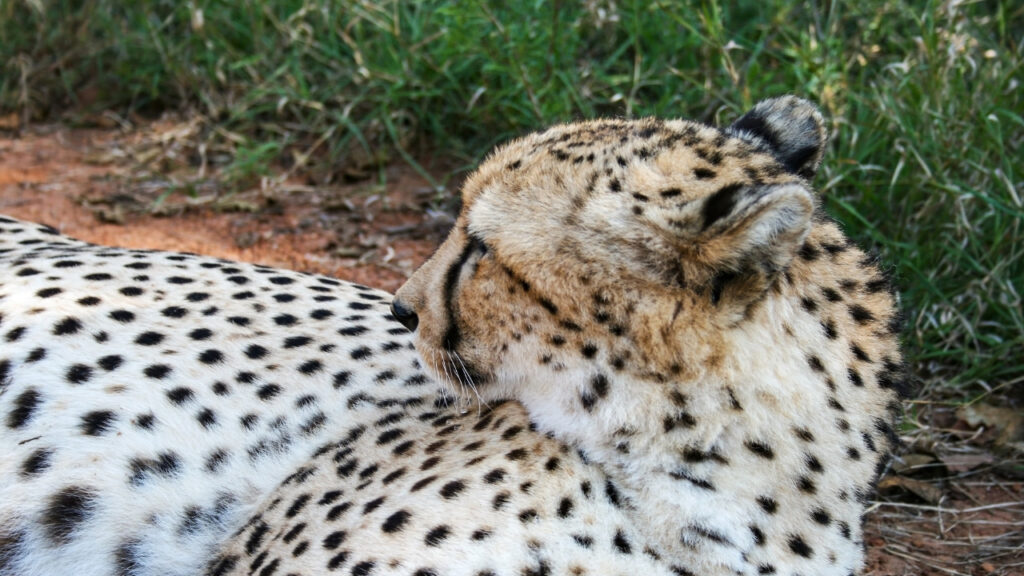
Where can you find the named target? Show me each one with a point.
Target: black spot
(157, 371)
(65, 511)
(97, 422)
(805, 435)
(528, 515)
(149, 338)
(806, 485)
(548, 305)
(452, 489)
(127, 560)
(798, 546)
(761, 449)
(24, 408)
(809, 253)
(767, 504)
(701, 483)
(830, 329)
(145, 421)
(200, 334)
(69, 325)
(337, 560)
(285, 320)
(612, 493)
(831, 295)
(680, 419)
(206, 417)
(296, 341)
(166, 464)
(861, 314)
(78, 374)
(437, 535)
(389, 436)
(363, 568)
(373, 505)
(268, 391)
(334, 539)
(255, 352)
(758, 535)
(174, 312)
(37, 462)
(396, 521)
(122, 316)
(356, 330)
(584, 541)
(110, 363)
(600, 385)
(180, 395)
(297, 505)
(211, 356)
(98, 276)
(855, 378)
(215, 460)
(820, 516)
(621, 543)
(311, 367)
(815, 364)
(256, 537)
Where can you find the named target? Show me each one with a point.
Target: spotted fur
(148, 400)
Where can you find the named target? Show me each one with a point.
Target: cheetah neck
(746, 466)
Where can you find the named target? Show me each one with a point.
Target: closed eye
(478, 246)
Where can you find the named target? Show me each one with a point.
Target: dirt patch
(375, 233)
(946, 510)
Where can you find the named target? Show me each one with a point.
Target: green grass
(924, 101)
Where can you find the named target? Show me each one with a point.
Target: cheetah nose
(404, 314)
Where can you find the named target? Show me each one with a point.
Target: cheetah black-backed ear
(763, 226)
(791, 127)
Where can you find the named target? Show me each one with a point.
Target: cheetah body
(150, 399)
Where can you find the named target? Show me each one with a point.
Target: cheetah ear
(791, 127)
(759, 226)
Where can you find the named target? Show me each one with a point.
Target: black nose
(404, 314)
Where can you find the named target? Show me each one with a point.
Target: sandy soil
(942, 516)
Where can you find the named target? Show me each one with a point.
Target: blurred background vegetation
(924, 101)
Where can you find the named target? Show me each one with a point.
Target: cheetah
(666, 360)
(706, 373)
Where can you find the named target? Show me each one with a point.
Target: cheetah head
(667, 297)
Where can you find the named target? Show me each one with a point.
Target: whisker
(444, 377)
(472, 385)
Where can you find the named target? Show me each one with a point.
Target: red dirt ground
(376, 235)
